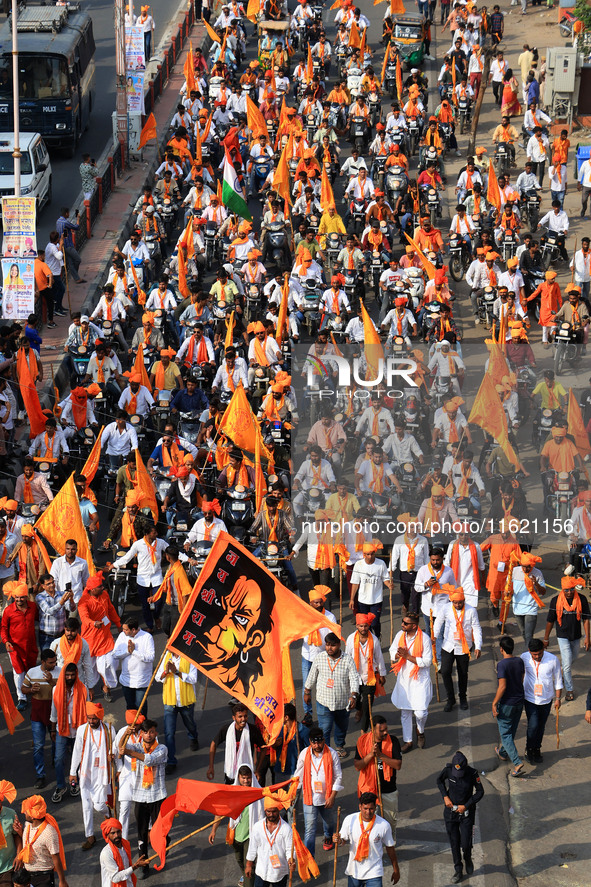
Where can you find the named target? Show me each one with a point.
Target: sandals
(500, 755)
(517, 772)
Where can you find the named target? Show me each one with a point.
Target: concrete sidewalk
(112, 226)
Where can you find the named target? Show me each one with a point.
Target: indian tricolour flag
(232, 194)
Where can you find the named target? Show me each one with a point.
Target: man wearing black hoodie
(461, 790)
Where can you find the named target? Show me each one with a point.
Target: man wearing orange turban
(528, 588)
(364, 648)
(569, 612)
(459, 624)
(97, 613)
(313, 644)
(95, 743)
(48, 855)
(115, 858)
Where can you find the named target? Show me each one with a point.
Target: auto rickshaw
(408, 36)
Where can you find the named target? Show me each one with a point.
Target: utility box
(563, 62)
(563, 81)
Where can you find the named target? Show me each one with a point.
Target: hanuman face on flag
(226, 630)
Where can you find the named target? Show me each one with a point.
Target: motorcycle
(167, 211)
(379, 171)
(262, 167)
(373, 103)
(550, 249)
(433, 205)
(561, 488)
(464, 113)
(80, 356)
(260, 385)
(118, 584)
(310, 305)
(529, 206)
(354, 77)
(526, 381)
(508, 244)
(459, 257)
(359, 133)
(189, 425)
(358, 209)
(414, 135)
(396, 185)
(566, 347)
(541, 428)
(197, 554)
(416, 286)
(485, 301)
(276, 242)
(336, 326)
(502, 159)
(238, 511)
(252, 301)
(334, 245)
(375, 272)
(209, 238)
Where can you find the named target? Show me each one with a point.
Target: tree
(583, 13)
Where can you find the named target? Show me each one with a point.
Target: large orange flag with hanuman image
(236, 624)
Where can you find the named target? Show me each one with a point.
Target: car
(36, 174)
(408, 36)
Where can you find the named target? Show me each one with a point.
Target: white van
(35, 167)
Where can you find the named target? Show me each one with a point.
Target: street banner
(135, 59)
(19, 238)
(135, 92)
(18, 288)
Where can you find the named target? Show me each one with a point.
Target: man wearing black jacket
(461, 790)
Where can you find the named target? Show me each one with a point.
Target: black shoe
(537, 756)
(169, 769)
(41, 782)
(457, 878)
(464, 704)
(469, 866)
(582, 213)
(143, 872)
(449, 705)
(529, 756)
(194, 744)
(495, 611)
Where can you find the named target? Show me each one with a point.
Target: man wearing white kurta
(134, 651)
(464, 556)
(410, 552)
(124, 769)
(411, 654)
(270, 845)
(92, 749)
(460, 627)
(429, 581)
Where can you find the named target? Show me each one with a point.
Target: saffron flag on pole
(385, 62)
(141, 296)
(354, 37)
(493, 192)
(281, 175)
(145, 487)
(260, 486)
(373, 349)
(326, 192)
(427, 265)
(256, 122)
(35, 414)
(576, 426)
(282, 330)
(62, 520)
(399, 79)
(90, 467)
(140, 367)
(215, 37)
(252, 10)
(192, 796)
(232, 194)
(189, 70)
(498, 367)
(148, 131)
(488, 413)
(239, 424)
(228, 341)
(397, 7)
(235, 625)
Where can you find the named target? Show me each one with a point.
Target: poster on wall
(19, 222)
(135, 58)
(135, 92)
(18, 288)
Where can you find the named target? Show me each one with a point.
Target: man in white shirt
(116, 847)
(537, 150)
(582, 262)
(148, 550)
(70, 571)
(320, 786)
(134, 649)
(364, 648)
(458, 622)
(119, 439)
(464, 556)
(136, 398)
(410, 552)
(313, 472)
(556, 221)
(367, 585)
(369, 870)
(270, 844)
(429, 584)
(542, 686)
(402, 447)
(583, 185)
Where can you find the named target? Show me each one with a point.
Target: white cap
(84, 317)
(414, 70)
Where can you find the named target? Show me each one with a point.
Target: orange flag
(12, 716)
(140, 367)
(62, 520)
(148, 131)
(90, 467)
(427, 265)
(309, 65)
(281, 175)
(186, 239)
(240, 425)
(35, 414)
(336, 5)
(362, 50)
(230, 324)
(374, 351)
(197, 156)
(213, 34)
(192, 796)
(326, 192)
(488, 413)
(385, 62)
(141, 296)
(288, 685)
(454, 97)
(145, 486)
(189, 70)
(243, 655)
(260, 486)
(399, 79)
(282, 313)
(183, 287)
(493, 193)
(252, 10)
(354, 37)
(337, 351)
(576, 426)
(397, 7)
(497, 363)
(256, 121)
(307, 865)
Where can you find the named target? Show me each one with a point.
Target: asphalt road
(66, 179)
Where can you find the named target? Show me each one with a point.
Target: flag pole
(340, 568)
(572, 274)
(391, 610)
(557, 725)
(434, 654)
(293, 819)
(180, 841)
(145, 696)
(336, 848)
(205, 694)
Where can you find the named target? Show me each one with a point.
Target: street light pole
(122, 124)
(15, 95)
